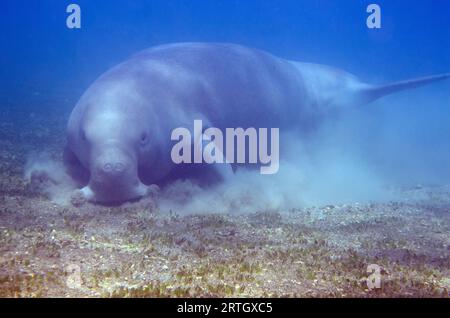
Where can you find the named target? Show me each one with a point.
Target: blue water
(38, 49)
(43, 62)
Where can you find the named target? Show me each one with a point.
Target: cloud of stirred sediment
(358, 155)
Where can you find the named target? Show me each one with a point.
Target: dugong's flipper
(74, 168)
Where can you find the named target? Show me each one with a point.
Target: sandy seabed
(136, 250)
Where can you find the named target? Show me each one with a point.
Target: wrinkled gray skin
(119, 131)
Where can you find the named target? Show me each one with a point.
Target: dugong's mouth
(114, 193)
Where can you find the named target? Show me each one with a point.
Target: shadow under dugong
(119, 133)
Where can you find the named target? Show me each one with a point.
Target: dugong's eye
(144, 138)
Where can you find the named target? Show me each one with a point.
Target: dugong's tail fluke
(374, 92)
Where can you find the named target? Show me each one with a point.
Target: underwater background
(374, 188)
(45, 65)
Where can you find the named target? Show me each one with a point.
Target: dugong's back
(229, 84)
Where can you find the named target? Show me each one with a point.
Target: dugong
(119, 133)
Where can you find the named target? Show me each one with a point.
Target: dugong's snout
(112, 169)
(115, 168)
(114, 177)
(113, 163)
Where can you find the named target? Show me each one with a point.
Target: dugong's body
(119, 131)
